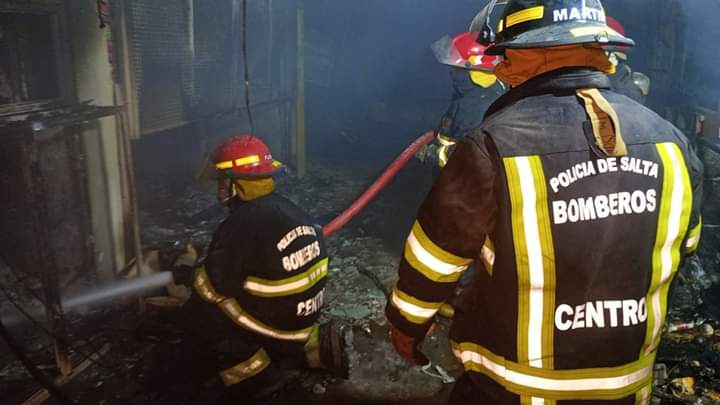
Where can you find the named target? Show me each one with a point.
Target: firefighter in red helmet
(475, 87)
(258, 293)
(625, 81)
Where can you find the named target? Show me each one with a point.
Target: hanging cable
(245, 63)
(32, 369)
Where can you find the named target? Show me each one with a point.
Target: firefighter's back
(586, 246)
(280, 260)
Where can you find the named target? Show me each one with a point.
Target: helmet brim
(446, 53)
(570, 33)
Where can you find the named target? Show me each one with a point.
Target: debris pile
(688, 362)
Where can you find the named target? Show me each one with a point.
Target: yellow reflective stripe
(535, 260)
(413, 309)
(426, 270)
(312, 348)
(443, 156)
(228, 164)
(529, 14)
(521, 254)
(202, 286)
(693, 239)
(248, 368)
(232, 309)
(547, 250)
(288, 286)
(448, 261)
(673, 219)
(248, 160)
(432, 261)
(593, 383)
(445, 140)
(642, 397)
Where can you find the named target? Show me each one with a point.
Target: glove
(187, 258)
(184, 266)
(407, 347)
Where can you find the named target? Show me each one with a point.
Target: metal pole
(35, 182)
(300, 101)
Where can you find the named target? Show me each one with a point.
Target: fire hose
(365, 198)
(380, 183)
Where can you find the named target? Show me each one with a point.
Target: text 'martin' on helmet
(528, 24)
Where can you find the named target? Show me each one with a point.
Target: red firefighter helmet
(245, 156)
(465, 52)
(615, 25)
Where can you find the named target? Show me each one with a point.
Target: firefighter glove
(184, 265)
(407, 347)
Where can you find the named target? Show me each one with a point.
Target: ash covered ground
(143, 362)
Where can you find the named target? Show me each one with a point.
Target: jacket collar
(558, 82)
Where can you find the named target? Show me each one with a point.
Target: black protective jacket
(468, 105)
(622, 82)
(266, 269)
(579, 248)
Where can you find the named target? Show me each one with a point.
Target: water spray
(101, 294)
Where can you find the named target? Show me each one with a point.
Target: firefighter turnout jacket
(467, 108)
(622, 82)
(265, 271)
(579, 247)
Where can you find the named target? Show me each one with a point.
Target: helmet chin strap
(230, 193)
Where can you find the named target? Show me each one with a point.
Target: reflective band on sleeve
(673, 220)
(248, 368)
(432, 261)
(535, 261)
(232, 309)
(413, 309)
(289, 286)
(592, 384)
(204, 288)
(693, 239)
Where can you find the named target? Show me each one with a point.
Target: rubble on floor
(145, 352)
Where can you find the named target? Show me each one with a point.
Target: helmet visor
(446, 52)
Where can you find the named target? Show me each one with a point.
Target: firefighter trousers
(246, 363)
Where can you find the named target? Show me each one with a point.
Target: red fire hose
(378, 185)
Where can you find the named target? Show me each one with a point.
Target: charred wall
(46, 213)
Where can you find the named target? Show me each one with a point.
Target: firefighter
(475, 87)
(625, 81)
(581, 204)
(258, 294)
